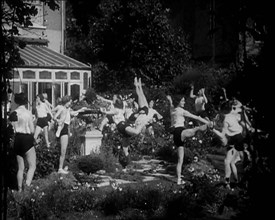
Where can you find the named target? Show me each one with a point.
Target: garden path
(153, 169)
(147, 169)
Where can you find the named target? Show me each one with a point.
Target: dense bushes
(58, 194)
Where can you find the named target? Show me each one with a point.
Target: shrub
(110, 161)
(90, 163)
(135, 197)
(47, 160)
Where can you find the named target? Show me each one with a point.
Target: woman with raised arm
(180, 132)
(200, 101)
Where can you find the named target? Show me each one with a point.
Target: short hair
(145, 109)
(45, 95)
(41, 97)
(65, 99)
(134, 96)
(20, 98)
(176, 99)
(118, 103)
(226, 107)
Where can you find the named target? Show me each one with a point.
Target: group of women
(128, 123)
(27, 130)
(135, 122)
(229, 126)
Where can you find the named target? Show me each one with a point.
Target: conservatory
(46, 71)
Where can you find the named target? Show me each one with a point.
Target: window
(75, 90)
(15, 74)
(75, 75)
(28, 74)
(38, 19)
(61, 75)
(45, 75)
(85, 81)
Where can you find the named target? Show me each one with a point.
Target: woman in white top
(22, 122)
(108, 118)
(42, 111)
(126, 127)
(180, 133)
(231, 136)
(63, 118)
(152, 113)
(200, 101)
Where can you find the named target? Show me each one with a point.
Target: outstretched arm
(159, 116)
(198, 118)
(104, 100)
(74, 113)
(110, 112)
(221, 134)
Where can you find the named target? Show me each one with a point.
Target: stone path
(149, 169)
(153, 169)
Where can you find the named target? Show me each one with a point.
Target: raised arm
(169, 98)
(204, 96)
(224, 94)
(192, 92)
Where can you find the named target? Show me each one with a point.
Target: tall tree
(128, 38)
(13, 14)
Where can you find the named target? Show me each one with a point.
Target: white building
(45, 67)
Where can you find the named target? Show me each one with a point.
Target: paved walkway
(153, 169)
(149, 170)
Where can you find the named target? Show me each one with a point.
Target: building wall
(54, 21)
(48, 25)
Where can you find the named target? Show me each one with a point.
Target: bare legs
(142, 101)
(64, 140)
(232, 157)
(103, 123)
(186, 133)
(31, 159)
(46, 135)
(20, 172)
(179, 164)
(125, 146)
(192, 131)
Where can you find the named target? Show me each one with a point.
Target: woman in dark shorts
(231, 135)
(180, 133)
(42, 111)
(22, 122)
(138, 121)
(63, 118)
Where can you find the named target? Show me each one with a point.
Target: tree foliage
(129, 38)
(15, 14)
